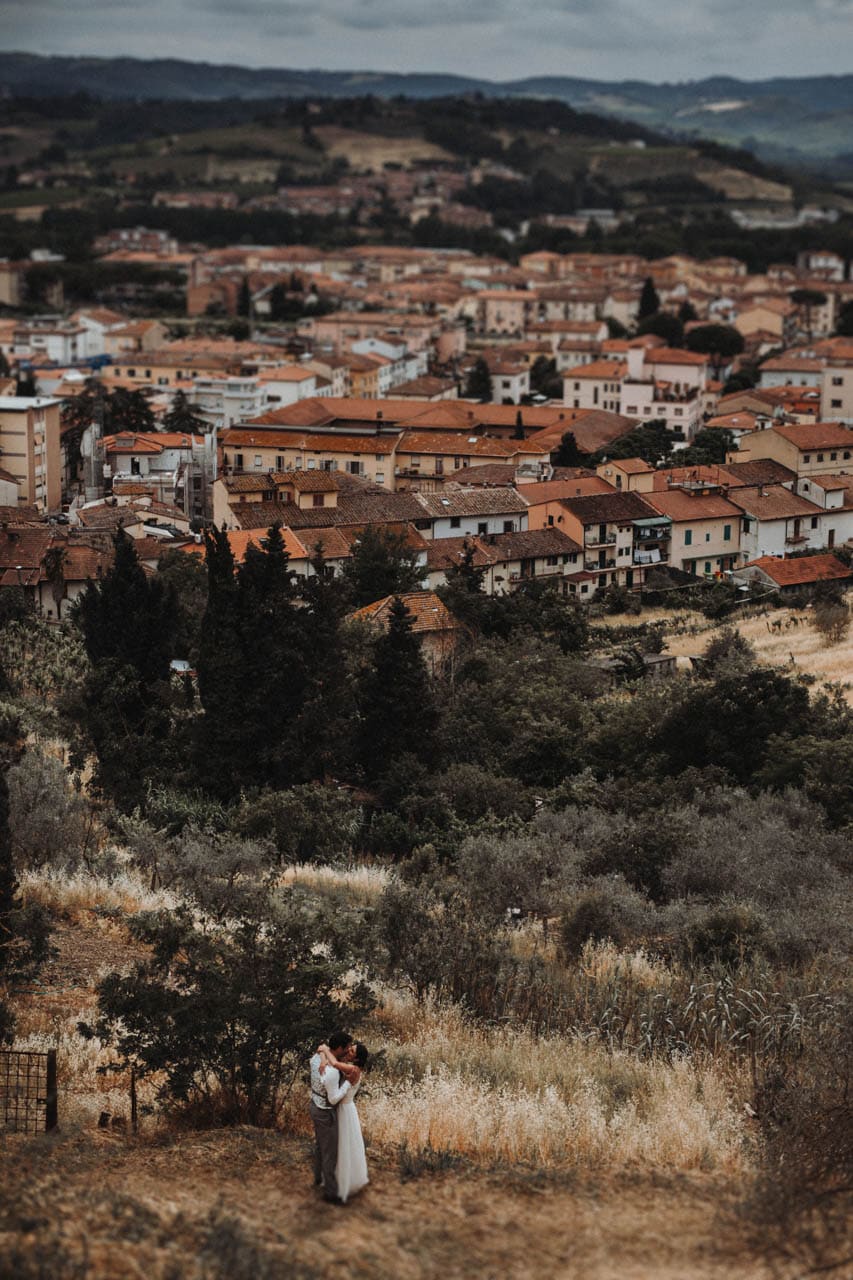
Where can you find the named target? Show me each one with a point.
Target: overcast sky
(496, 39)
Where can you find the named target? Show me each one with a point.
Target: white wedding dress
(352, 1162)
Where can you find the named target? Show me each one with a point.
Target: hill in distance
(805, 121)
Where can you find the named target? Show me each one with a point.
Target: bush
(728, 934)
(609, 909)
(306, 823)
(51, 823)
(223, 1016)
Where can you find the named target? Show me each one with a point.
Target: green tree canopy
(382, 564)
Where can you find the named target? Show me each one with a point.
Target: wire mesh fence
(28, 1097)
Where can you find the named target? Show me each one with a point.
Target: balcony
(796, 539)
(596, 540)
(592, 566)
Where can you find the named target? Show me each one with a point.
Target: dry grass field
(793, 647)
(492, 1153)
(369, 151)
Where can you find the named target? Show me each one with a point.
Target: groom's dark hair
(339, 1039)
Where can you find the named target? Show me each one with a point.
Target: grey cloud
(496, 39)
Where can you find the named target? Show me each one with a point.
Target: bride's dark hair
(362, 1057)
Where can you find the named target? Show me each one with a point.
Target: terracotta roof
(680, 504)
(772, 502)
(149, 441)
(631, 466)
(428, 611)
(555, 490)
(334, 442)
(801, 569)
(303, 481)
(807, 436)
(457, 444)
(831, 483)
(758, 471)
(471, 502)
(611, 369)
(674, 355)
(486, 473)
(609, 508)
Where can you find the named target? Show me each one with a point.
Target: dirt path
(240, 1205)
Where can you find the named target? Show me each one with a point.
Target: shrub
(51, 823)
(727, 934)
(609, 909)
(306, 823)
(222, 1015)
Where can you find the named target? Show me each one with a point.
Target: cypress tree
(399, 716)
(649, 300)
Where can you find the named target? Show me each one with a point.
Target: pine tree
(182, 417)
(518, 433)
(399, 716)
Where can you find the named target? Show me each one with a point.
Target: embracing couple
(340, 1166)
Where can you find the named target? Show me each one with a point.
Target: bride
(352, 1164)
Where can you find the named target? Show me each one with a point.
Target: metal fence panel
(28, 1094)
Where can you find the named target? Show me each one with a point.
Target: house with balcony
(173, 467)
(776, 521)
(834, 496)
(622, 536)
(705, 528)
(508, 560)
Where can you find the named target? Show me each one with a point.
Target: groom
(325, 1097)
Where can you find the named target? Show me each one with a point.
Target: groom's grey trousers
(326, 1148)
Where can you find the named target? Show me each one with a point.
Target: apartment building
(30, 449)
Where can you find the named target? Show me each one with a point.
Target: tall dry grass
(74, 895)
(360, 884)
(504, 1095)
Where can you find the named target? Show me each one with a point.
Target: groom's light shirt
(327, 1088)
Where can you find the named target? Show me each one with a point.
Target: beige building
(30, 449)
(268, 449)
(804, 448)
(706, 529)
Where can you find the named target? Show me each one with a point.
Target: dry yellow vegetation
(368, 151)
(492, 1152)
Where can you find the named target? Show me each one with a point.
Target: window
(279, 462)
(632, 408)
(259, 462)
(550, 519)
(820, 455)
(238, 461)
(455, 522)
(354, 468)
(312, 464)
(457, 463)
(708, 536)
(508, 526)
(482, 529)
(838, 382)
(380, 477)
(678, 412)
(688, 537)
(378, 457)
(551, 561)
(707, 566)
(836, 404)
(746, 524)
(584, 590)
(814, 522)
(832, 457)
(727, 533)
(318, 500)
(846, 454)
(439, 466)
(807, 457)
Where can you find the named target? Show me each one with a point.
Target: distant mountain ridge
(808, 118)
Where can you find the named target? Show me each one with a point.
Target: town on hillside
(585, 420)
